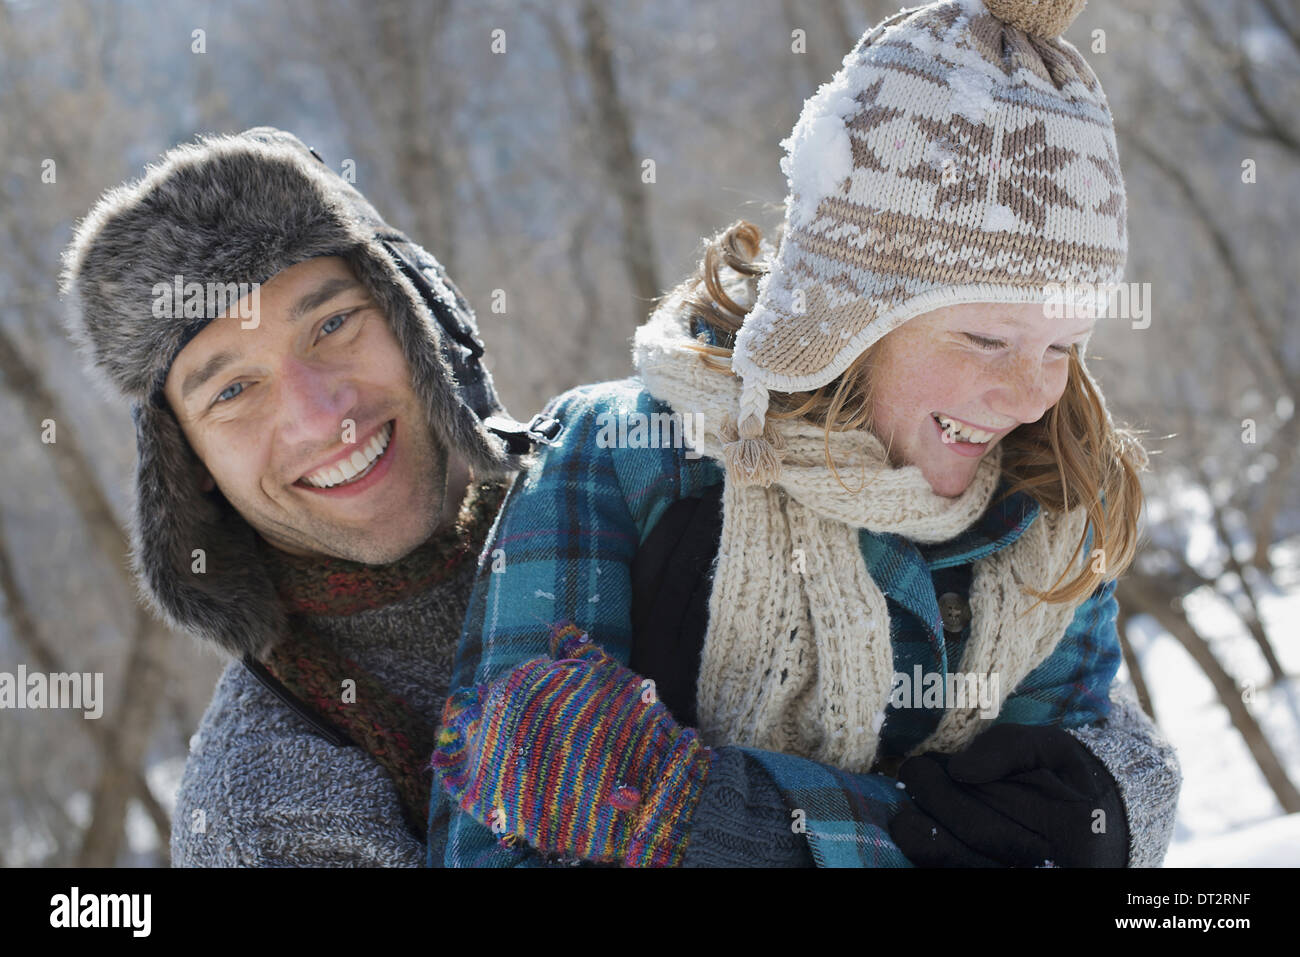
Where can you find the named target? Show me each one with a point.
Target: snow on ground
(1227, 815)
(1273, 843)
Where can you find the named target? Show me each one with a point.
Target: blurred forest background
(523, 171)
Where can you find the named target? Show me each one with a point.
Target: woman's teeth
(355, 467)
(956, 432)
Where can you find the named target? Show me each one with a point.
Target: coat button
(954, 609)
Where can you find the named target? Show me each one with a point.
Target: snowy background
(1227, 817)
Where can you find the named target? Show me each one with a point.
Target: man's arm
(746, 818)
(260, 789)
(1145, 766)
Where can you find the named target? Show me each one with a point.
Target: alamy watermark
(958, 689)
(130, 911)
(1114, 300)
(179, 299)
(651, 430)
(61, 689)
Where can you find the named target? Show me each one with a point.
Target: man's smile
(353, 471)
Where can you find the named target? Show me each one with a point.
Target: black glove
(1019, 796)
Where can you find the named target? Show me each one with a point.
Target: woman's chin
(950, 482)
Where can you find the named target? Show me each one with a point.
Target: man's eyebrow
(206, 371)
(321, 295)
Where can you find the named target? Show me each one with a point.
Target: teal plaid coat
(562, 549)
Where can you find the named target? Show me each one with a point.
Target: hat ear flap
(455, 388)
(197, 558)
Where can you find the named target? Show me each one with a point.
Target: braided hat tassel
(752, 458)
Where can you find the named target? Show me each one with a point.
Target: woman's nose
(1027, 390)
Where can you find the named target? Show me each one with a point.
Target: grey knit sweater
(273, 792)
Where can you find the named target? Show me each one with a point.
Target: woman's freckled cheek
(921, 377)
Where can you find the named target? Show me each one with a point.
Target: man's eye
(1063, 350)
(326, 327)
(233, 385)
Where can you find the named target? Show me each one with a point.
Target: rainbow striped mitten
(574, 755)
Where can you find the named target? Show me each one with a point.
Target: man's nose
(314, 401)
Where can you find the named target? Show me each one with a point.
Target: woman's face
(993, 366)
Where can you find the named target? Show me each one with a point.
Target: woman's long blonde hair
(1072, 455)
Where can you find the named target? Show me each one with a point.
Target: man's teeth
(964, 433)
(349, 469)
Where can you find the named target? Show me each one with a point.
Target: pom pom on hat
(1038, 18)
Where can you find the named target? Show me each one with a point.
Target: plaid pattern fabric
(562, 550)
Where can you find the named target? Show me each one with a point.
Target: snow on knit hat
(240, 209)
(964, 152)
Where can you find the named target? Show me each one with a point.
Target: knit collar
(337, 586)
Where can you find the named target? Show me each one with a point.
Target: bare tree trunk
(1151, 595)
(1229, 87)
(1278, 484)
(587, 294)
(420, 146)
(403, 103)
(617, 155)
(71, 464)
(1266, 343)
(129, 741)
(1134, 666)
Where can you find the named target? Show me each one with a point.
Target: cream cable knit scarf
(797, 657)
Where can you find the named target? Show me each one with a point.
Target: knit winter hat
(964, 152)
(240, 209)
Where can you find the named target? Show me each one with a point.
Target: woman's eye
(984, 343)
(223, 392)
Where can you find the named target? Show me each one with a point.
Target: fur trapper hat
(240, 209)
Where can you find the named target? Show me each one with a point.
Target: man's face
(317, 393)
(988, 365)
